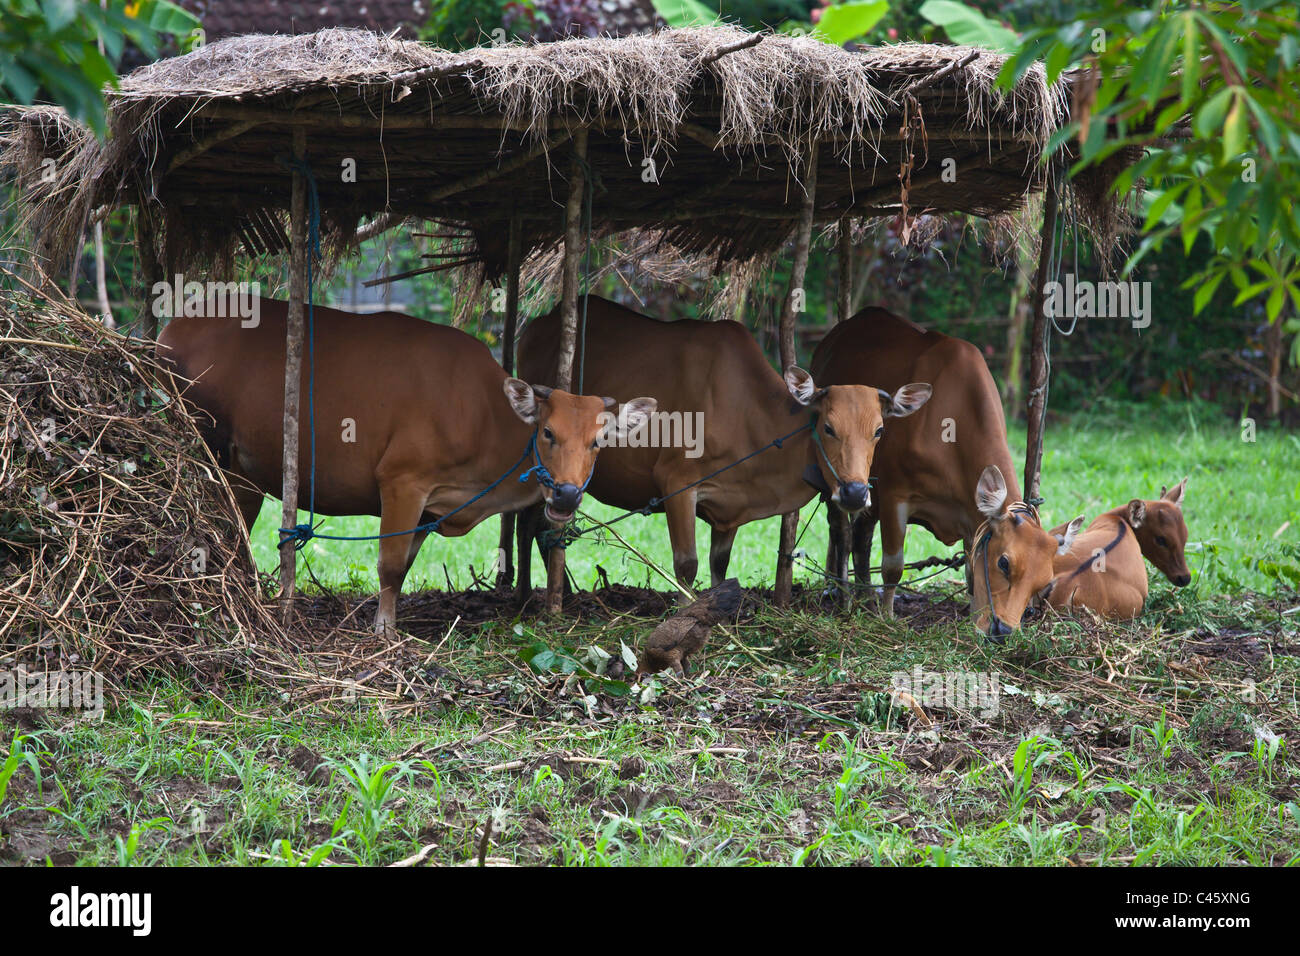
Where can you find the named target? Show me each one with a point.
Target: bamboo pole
(514, 255)
(572, 255)
(569, 332)
(146, 244)
(798, 270)
(293, 371)
(1037, 398)
(845, 288)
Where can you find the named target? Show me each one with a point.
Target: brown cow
(1010, 563)
(926, 468)
(411, 422)
(717, 370)
(1161, 531)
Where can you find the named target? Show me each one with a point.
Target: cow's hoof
(384, 628)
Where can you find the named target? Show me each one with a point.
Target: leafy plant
(19, 756)
(843, 22)
(1209, 94)
(967, 26)
(50, 49)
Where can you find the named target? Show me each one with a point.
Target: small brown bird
(685, 632)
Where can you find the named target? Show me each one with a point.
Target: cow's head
(847, 424)
(1162, 532)
(1010, 563)
(570, 430)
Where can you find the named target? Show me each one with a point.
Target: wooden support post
(1037, 397)
(514, 253)
(846, 271)
(569, 332)
(798, 269)
(293, 371)
(151, 272)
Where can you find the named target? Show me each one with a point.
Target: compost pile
(120, 549)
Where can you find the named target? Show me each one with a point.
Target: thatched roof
(468, 137)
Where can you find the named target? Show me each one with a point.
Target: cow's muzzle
(565, 499)
(854, 496)
(1182, 580)
(999, 631)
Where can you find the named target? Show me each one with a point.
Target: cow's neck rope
(541, 472)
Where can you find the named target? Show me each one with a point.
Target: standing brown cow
(412, 420)
(928, 469)
(716, 371)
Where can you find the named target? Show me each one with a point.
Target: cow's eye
(548, 434)
(1004, 565)
(830, 431)
(1162, 541)
(880, 431)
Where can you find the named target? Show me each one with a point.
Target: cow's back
(689, 366)
(931, 460)
(1103, 570)
(390, 390)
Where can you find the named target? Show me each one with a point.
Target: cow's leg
(680, 511)
(525, 533)
(836, 559)
(893, 529)
(417, 539)
(720, 554)
(248, 499)
(864, 530)
(970, 576)
(402, 508)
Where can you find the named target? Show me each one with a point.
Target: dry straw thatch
(199, 142)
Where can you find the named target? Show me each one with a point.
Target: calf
(412, 420)
(1161, 531)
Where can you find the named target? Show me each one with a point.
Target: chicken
(677, 638)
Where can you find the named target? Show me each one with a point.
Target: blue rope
(301, 534)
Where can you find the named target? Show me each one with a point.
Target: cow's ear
(801, 385)
(905, 401)
(522, 398)
(1137, 513)
(636, 413)
(991, 492)
(1175, 494)
(1071, 532)
(610, 403)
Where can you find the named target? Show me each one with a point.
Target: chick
(677, 638)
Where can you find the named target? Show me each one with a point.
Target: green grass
(776, 754)
(1240, 498)
(1167, 741)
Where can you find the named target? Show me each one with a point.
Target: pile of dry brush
(120, 549)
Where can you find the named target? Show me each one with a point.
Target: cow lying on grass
(1103, 570)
